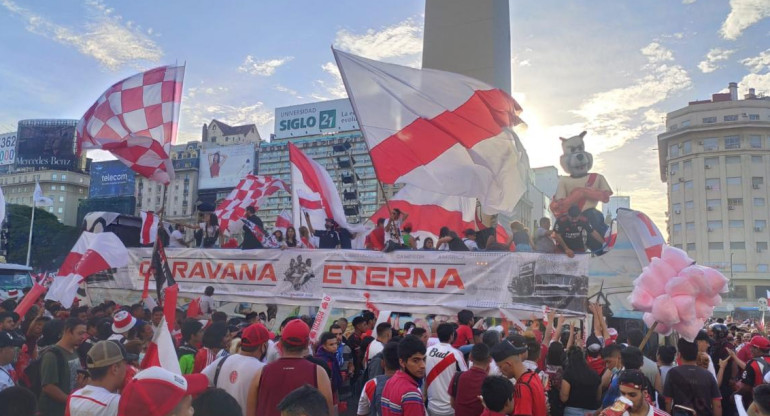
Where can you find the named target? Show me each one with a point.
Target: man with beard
(329, 237)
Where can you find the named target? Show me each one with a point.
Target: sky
(612, 68)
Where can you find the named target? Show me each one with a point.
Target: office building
(65, 188)
(715, 159)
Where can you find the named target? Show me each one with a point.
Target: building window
(61, 199)
(733, 117)
(674, 168)
(673, 150)
(712, 184)
(54, 176)
(734, 180)
(739, 267)
(677, 228)
(60, 210)
(714, 225)
(677, 208)
(713, 204)
(736, 223)
(690, 226)
(686, 123)
(63, 176)
(761, 246)
(718, 245)
(757, 182)
(62, 188)
(710, 162)
(755, 142)
(756, 159)
(753, 117)
(675, 187)
(759, 225)
(762, 267)
(709, 120)
(689, 205)
(688, 185)
(690, 246)
(53, 187)
(737, 245)
(687, 147)
(50, 209)
(732, 142)
(687, 164)
(732, 160)
(759, 202)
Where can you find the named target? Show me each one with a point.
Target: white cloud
(332, 87)
(758, 63)
(192, 92)
(713, 57)
(688, 1)
(525, 63)
(103, 36)
(194, 114)
(264, 68)
(743, 14)
(287, 90)
(401, 39)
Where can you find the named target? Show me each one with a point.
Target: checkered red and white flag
(136, 120)
(250, 191)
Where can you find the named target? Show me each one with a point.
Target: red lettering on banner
(229, 272)
(354, 270)
(451, 277)
(213, 273)
(179, 269)
(249, 272)
(267, 273)
(420, 274)
(374, 274)
(144, 267)
(332, 274)
(197, 271)
(401, 274)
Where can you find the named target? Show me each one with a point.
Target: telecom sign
(7, 148)
(111, 178)
(315, 118)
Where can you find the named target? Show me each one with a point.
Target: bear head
(575, 160)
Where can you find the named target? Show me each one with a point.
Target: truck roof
(10, 266)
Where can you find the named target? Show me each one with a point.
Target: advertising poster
(315, 118)
(45, 144)
(111, 178)
(7, 148)
(225, 166)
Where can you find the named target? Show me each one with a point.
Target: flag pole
(355, 110)
(31, 223)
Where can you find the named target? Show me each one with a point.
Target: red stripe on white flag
(161, 351)
(149, 228)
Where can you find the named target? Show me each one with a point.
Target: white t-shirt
(92, 401)
(5, 377)
(367, 395)
(235, 377)
(375, 347)
(176, 236)
(207, 305)
(394, 234)
(442, 361)
(471, 244)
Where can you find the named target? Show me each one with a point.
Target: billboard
(111, 178)
(7, 148)
(315, 118)
(224, 166)
(46, 144)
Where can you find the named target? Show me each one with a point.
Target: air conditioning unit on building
(707, 167)
(755, 186)
(708, 187)
(677, 212)
(709, 208)
(710, 230)
(758, 229)
(731, 208)
(759, 250)
(681, 179)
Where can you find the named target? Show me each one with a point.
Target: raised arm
(309, 224)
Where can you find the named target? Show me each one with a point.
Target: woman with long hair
(581, 387)
(304, 236)
(291, 239)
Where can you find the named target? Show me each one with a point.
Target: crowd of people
(91, 361)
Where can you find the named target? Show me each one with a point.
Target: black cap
(506, 349)
(8, 340)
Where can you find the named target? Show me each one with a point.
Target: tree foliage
(51, 240)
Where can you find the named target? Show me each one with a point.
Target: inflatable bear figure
(581, 188)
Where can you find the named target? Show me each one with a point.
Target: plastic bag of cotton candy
(677, 294)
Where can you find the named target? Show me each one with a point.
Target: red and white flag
(428, 211)
(251, 191)
(283, 221)
(149, 230)
(645, 237)
(136, 119)
(311, 180)
(161, 351)
(439, 131)
(92, 253)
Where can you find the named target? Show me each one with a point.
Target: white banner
(402, 281)
(321, 317)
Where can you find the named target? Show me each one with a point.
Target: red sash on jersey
(439, 368)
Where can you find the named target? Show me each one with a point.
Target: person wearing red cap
(276, 380)
(234, 373)
(754, 370)
(159, 392)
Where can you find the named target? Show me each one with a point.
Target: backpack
(374, 367)
(35, 366)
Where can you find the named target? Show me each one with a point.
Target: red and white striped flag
(92, 253)
(428, 211)
(136, 119)
(161, 351)
(439, 131)
(251, 191)
(308, 178)
(283, 221)
(149, 230)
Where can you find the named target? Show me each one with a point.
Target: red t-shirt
(529, 396)
(464, 336)
(467, 392)
(376, 239)
(596, 363)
